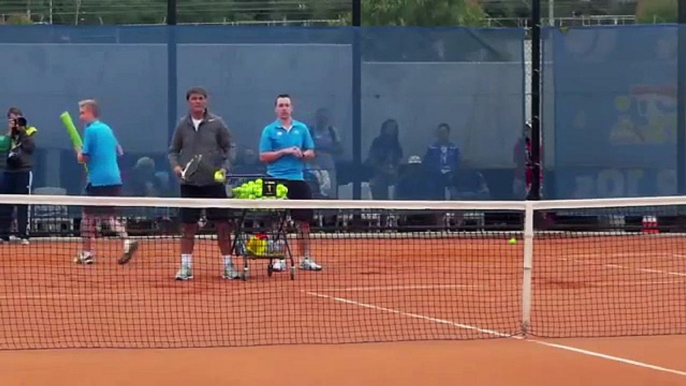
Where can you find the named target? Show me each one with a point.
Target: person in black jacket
(17, 178)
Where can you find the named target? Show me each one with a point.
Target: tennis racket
(191, 167)
(199, 169)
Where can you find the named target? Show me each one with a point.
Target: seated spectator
(441, 161)
(145, 182)
(328, 145)
(384, 159)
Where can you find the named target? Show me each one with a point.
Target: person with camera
(17, 177)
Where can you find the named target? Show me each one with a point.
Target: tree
(18, 19)
(656, 11)
(424, 13)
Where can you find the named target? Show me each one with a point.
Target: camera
(19, 122)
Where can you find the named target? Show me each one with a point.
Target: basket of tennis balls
(253, 190)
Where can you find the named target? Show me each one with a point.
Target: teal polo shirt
(100, 145)
(274, 138)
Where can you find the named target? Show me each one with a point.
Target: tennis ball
(259, 181)
(512, 241)
(251, 197)
(220, 176)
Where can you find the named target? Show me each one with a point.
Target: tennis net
(392, 271)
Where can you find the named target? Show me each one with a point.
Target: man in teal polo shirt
(100, 152)
(285, 146)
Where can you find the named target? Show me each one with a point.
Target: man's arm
(26, 141)
(175, 149)
(227, 146)
(83, 153)
(267, 152)
(308, 146)
(337, 143)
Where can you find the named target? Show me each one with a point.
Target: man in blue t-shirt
(99, 152)
(285, 145)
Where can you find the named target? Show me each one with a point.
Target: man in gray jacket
(17, 178)
(200, 147)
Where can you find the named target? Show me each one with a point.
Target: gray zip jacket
(212, 140)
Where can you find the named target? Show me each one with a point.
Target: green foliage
(656, 11)
(375, 12)
(18, 19)
(424, 13)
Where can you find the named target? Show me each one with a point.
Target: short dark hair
(196, 91)
(14, 111)
(444, 125)
(282, 96)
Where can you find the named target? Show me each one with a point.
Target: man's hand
(79, 156)
(294, 151)
(178, 171)
(308, 154)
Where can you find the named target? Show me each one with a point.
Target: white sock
(227, 260)
(186, 259)
(127, 245)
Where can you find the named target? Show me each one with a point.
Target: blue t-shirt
(275, 137)
(100, 145)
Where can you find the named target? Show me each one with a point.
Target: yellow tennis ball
(512, 241)
(220, 176)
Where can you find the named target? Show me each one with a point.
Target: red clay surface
(379, 290)
(500, 362)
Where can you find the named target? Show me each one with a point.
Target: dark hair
(281, 96)
(196, 91)
(447, 127)
(387, 123)
(14, 111)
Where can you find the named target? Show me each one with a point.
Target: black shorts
(298, 190)
(102, 191)
(192, 215)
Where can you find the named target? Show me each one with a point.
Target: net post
(535, 191)
(357, 100)
(171, 68)
(527, 266)
(681, 100)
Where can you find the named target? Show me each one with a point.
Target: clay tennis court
(376, 290)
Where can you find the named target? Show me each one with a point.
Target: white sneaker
(84, 258)
(279, 266)
(25, 242)
(230, 272)
(308, 264)
(130, 247)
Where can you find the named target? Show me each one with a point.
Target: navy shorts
(298, 190)
(192, 215)
(102, 191)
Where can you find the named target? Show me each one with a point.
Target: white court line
(416, 316)
(502, 335)
(150, 296)
(399, 288)
(636, 283)
(616, 266)
(618, 254)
